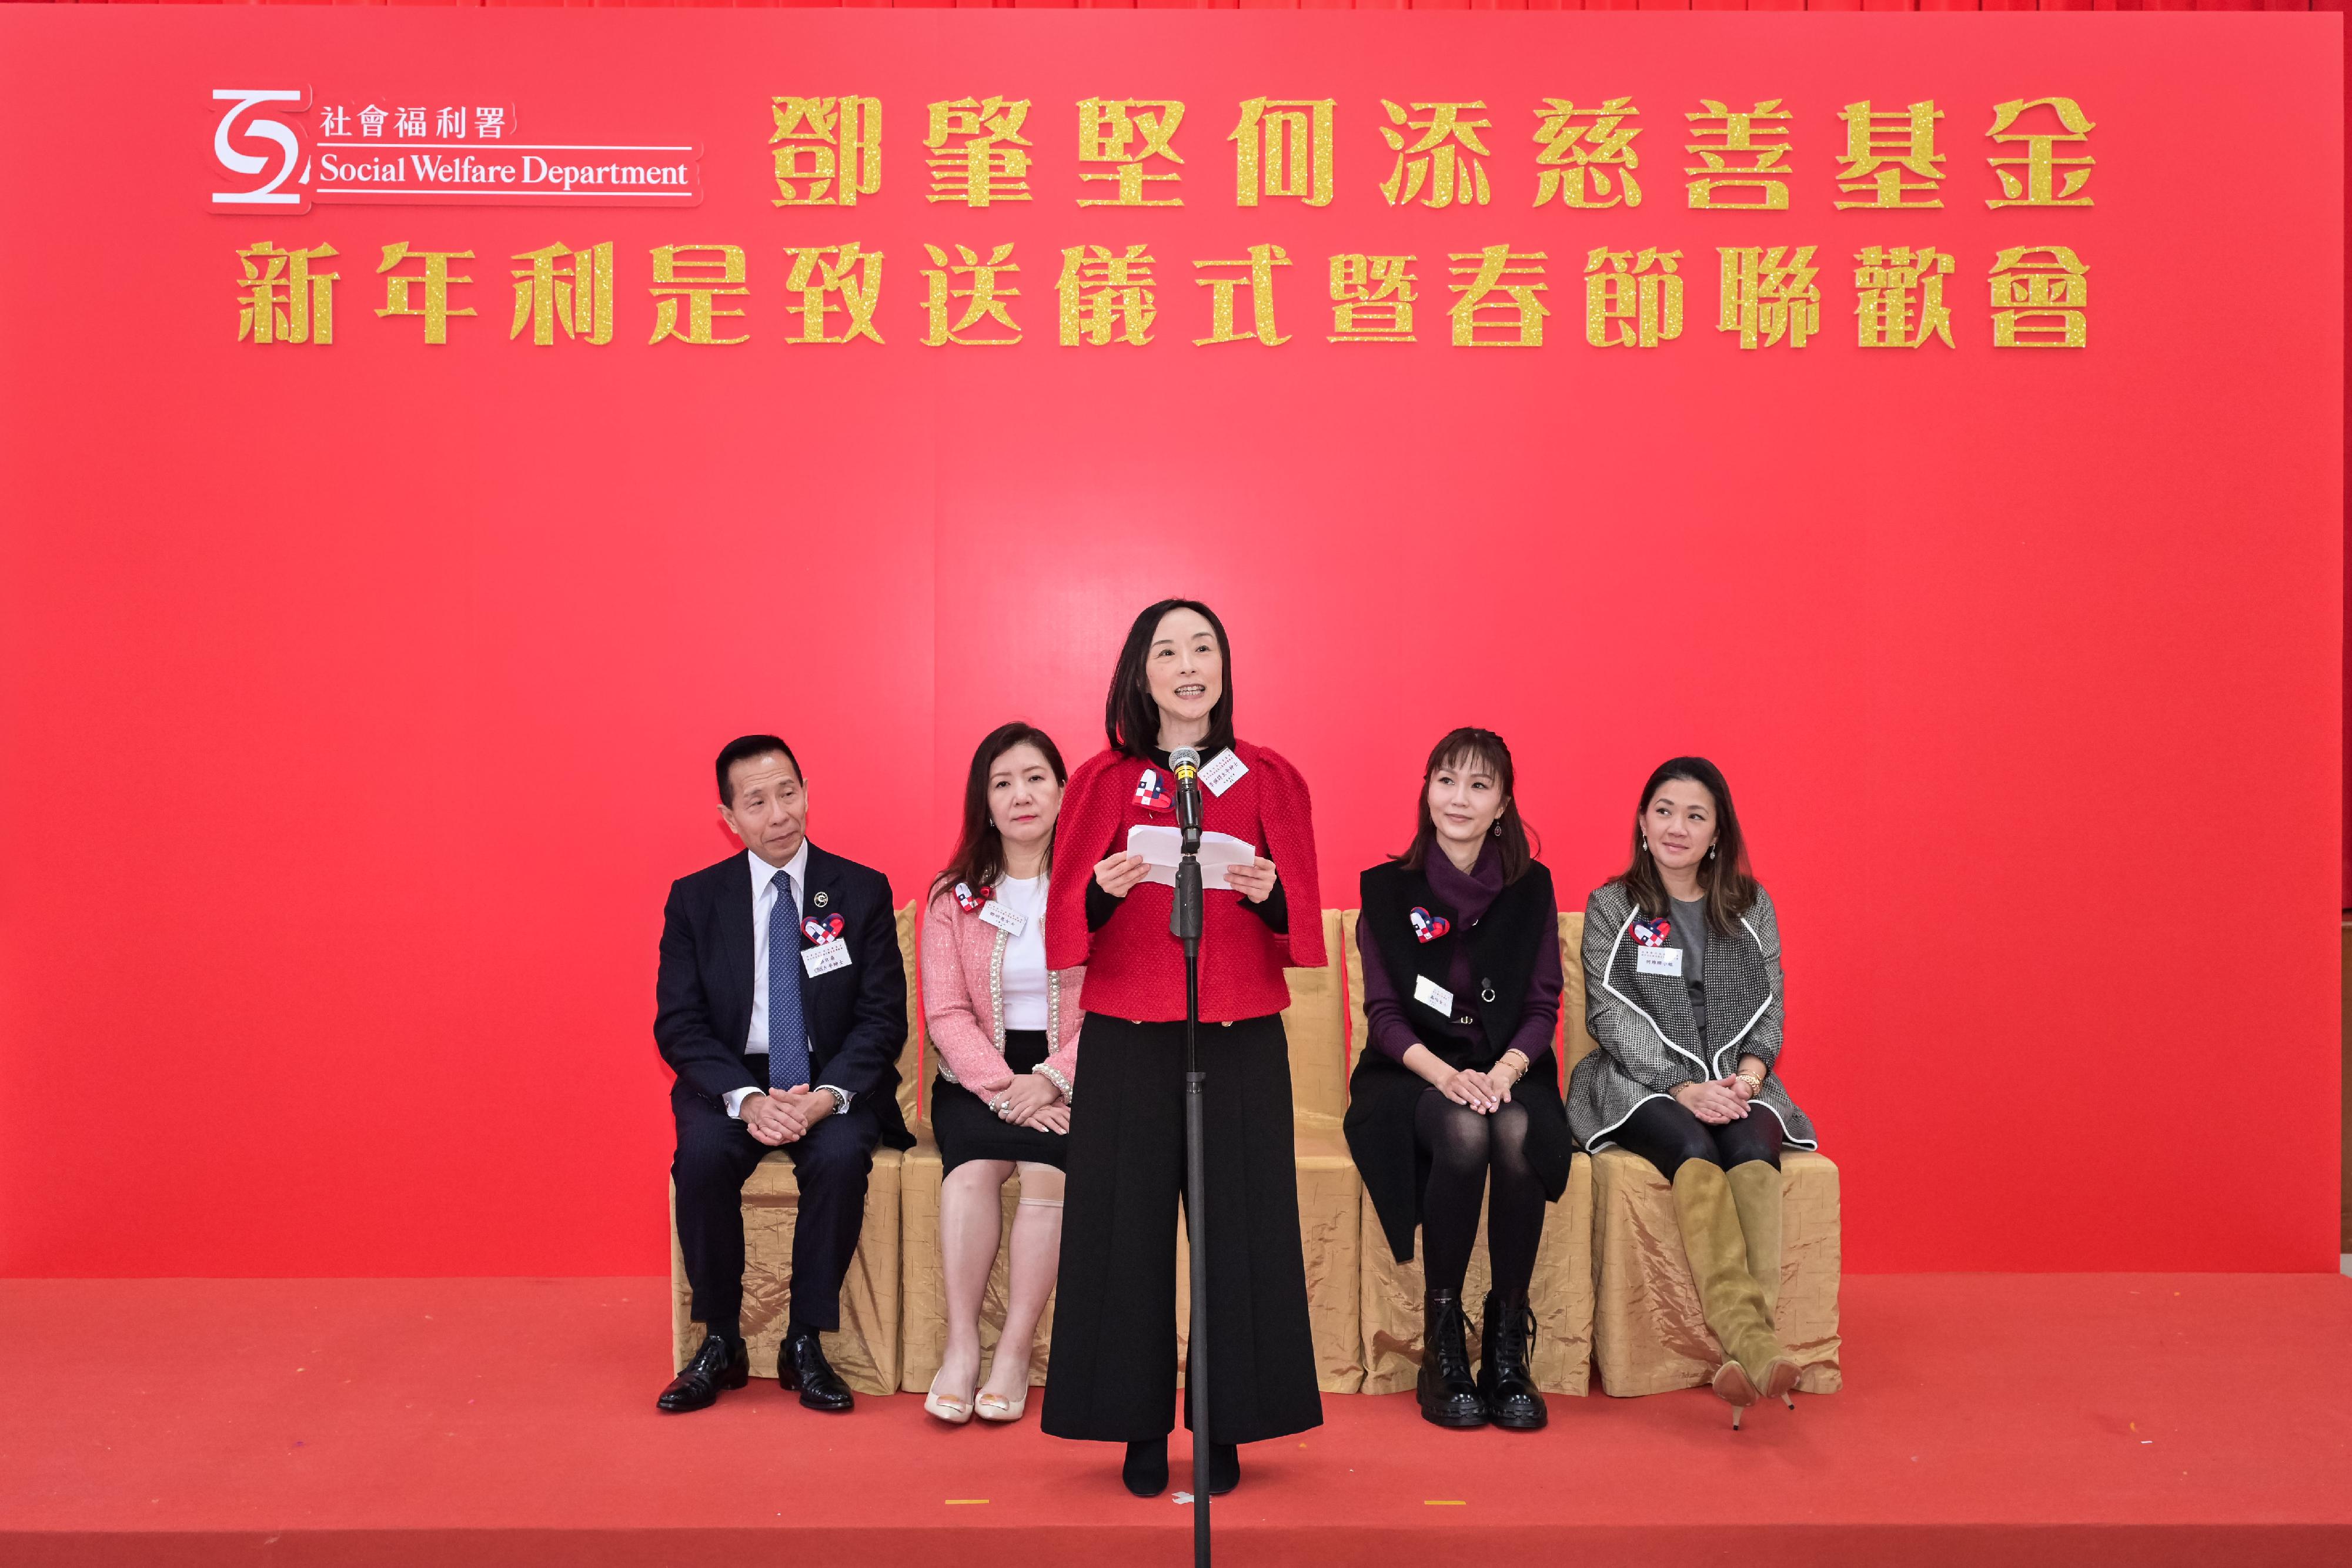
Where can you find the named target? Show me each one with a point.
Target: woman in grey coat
(1683, 995)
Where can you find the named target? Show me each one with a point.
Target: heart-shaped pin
(820, 932)
(969, 900)
(1652, 933)
(1428, 928)
(1151, 790)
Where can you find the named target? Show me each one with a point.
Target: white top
(1025, 955)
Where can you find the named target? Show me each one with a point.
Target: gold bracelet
(1524, 1064)
(1754, 1085)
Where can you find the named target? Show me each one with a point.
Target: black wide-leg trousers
(717, 1154)
(1112, 1377)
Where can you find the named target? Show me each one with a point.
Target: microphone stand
(1185, 923)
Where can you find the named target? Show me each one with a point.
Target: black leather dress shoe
(801, 1363)
(715, 1366)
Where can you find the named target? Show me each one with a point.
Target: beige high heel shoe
(996, 1407)
(954, 1412)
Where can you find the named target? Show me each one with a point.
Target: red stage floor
(2135, 1420)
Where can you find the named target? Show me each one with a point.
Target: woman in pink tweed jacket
(1004, 1031)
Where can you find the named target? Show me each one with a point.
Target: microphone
(1186, 764)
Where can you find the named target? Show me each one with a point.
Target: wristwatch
(840, 1097)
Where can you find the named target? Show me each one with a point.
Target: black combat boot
(1507, 1388)
(1449, 1394)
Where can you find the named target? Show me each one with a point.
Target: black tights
(1665, 1135)
(1465, 1150)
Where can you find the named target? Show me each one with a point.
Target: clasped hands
(781, 1116)
(1485, 1093)
(1716, 1101)
(1032, 1101)
(1118, 874)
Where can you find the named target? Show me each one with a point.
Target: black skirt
(968, 1130)
(1382, 1095)
(1113, 1376)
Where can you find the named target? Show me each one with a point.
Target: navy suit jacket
(857, 1016)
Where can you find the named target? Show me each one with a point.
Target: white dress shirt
(768, 885)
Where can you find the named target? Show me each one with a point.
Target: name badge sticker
(1222, 771)
(1430, 993)
(825, 958)
(1659, 961)
(1009, 921)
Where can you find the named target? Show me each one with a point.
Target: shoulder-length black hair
(1130, 719)
(1729, 885)
(979, 858)
(1462, 748)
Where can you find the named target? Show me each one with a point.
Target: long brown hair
(979, 858)
(1130, 719)
(1460, 750)
(1724, 876)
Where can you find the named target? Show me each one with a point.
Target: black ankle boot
(1449, 1394)
(1506, 1384)
(1224, 1468)
(1145, 1470)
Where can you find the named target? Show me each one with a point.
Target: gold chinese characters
(981, 151)
(1768, 296)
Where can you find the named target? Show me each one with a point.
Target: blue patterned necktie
(788, 1057)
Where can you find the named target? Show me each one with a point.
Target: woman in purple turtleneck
(1458, 1085)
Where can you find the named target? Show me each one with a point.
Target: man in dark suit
(781, 1007)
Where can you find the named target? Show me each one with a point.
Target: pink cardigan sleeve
(1065, 1059)
(960, 1025)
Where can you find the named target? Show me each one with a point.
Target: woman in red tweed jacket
(1113, 1375)
(1004, 1032)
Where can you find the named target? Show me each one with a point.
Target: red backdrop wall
(360, 700)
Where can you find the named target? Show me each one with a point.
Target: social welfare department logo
(275, 152)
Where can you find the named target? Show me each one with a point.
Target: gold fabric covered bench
(865, 1351)
(1561, 1293)
(1611, 1287)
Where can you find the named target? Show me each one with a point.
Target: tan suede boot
(1729, 1298)
(1756, 1195)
